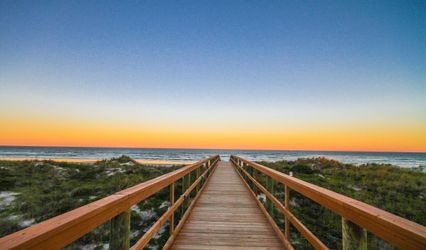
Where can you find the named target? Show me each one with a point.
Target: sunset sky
(312, 75)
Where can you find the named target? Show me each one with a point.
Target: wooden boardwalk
(227, 216)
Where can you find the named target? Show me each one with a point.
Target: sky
(293, 75)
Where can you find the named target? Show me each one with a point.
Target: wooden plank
(219, 235)
(200, 247)
(226, 216)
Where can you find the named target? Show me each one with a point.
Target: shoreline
(91, 161)
(357, 161)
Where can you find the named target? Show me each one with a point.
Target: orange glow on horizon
(50, 133)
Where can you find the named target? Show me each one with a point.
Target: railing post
(120, 231)
(286, 204)
(353, 236)
(172, 202)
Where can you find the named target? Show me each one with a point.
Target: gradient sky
(315, 75)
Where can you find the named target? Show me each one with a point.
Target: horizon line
(136, 147)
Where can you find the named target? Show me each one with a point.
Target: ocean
(183, 156)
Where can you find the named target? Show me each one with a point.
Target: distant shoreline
(187, 156)
(80, 160)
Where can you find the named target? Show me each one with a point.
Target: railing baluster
(353, 236)
(120, 231)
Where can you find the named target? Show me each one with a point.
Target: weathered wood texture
(226, 216)
(120, 231)
(353, 236)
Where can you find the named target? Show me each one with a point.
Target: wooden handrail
(140, 244)
(61, 230)
(398, 231)
(296, 223)
(185, 216)
(275, 227)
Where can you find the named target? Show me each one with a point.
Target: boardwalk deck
(226, 216)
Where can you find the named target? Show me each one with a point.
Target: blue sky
(287, 63)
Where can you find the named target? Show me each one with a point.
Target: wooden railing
(357, 217)
(62, 230)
